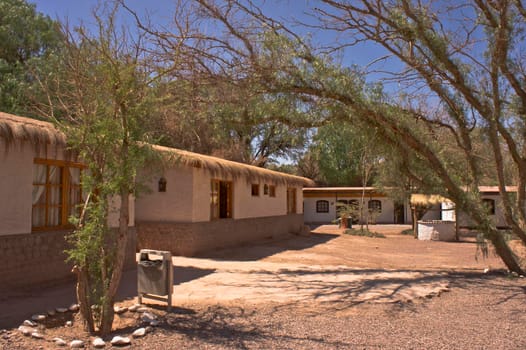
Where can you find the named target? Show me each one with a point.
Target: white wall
(244, 204)
(498, 218)
(310, 214)
(201, 195)
(113, 215)
(247, 206)
(448, 212)
(434, 213)
(16, 188)
(187, 198)
(173, 205)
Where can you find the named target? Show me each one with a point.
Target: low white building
(207, 202)
(321, 205)
(195, 203)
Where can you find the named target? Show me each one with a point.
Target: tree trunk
(83, 297)
(415, 221)
(107, 311)
(505, 253)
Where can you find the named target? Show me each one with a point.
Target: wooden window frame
(65, 188)
(254, 189)
(489, 203)
(322, 206)
(291, 200)
(370, 206)
(215, 207)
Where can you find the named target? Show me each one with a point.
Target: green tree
(333, 147)
(461, 67)
(100, 97)
(29, 41)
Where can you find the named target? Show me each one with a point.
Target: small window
(265, 189)
(490, 205)
(322, 206)
(272, 191)
(255, 189)
(375, 206)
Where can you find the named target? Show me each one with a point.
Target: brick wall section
(188, 239)
(38, 259)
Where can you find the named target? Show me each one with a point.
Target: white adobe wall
(247, 206)
(436, 230)
(498, 218)
(201, 195)
(113, 216)
(434, 213)
(176, 204)
(16, 188)
(448, 211)
(244, 204)
(310, 214)
(385, 217)
(187, 198)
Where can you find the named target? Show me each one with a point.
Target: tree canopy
(29, 40)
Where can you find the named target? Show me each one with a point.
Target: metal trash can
(155, 275)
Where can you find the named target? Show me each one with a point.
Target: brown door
(399, 217)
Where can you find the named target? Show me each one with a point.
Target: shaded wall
(191, 238)
(32, 260)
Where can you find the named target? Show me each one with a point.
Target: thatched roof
(38, 133)
(342, 191)
(428, 199)
(229, 169)
(14, 128)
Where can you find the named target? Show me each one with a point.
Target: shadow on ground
(242, 326)
(21, 305)
(259, 250)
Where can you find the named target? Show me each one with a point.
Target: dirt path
(326, 291)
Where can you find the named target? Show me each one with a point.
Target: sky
(161, 12)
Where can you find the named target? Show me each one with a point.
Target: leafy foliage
(100, 97)
(29, 41)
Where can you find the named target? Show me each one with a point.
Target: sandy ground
(326, 290)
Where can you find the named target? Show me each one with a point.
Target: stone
(149, 329)
(143, 309)
(25, 330)
(59, 342)
(37, 335)
(76, 344)
(51, 313)
(134, 308)
(98, 343)
(155, 323)
(69, 323)
(74, 307)
(61, 310)
(38, 317)
(139, 332)
(120, 310)
(486, 270)
(118, 340)
(148, 317)
(29, 323)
